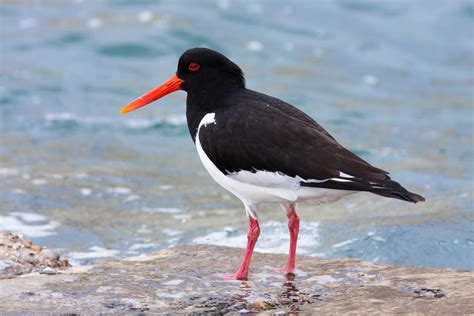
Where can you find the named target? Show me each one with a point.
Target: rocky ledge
(186, 279)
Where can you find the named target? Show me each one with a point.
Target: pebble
(36, 248)
(19, 256)
(262, 305)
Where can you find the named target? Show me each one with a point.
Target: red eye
(194, 66)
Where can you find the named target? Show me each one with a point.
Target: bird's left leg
(293, 228)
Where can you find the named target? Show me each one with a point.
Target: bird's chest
(249, 192)
(210, 166)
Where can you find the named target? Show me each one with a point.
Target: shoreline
(185, 279)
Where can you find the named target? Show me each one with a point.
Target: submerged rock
(186, 279)
(19, 256)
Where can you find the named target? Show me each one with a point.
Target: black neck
(194, 115)
(198, 104)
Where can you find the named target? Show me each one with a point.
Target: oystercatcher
(263, 149)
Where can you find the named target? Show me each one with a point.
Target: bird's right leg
(252, 236)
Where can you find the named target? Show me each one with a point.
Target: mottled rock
(19, 256)
(186, 279)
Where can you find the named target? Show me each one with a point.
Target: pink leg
(293, 227)
(252, 236)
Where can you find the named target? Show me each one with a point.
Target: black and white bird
(263, 149)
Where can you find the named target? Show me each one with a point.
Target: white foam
(144, 230)
(131, 198)
(344, 243)
(30, 217)
(56, 176)
(39, 181)
(138, 123)
(164, 210)
(165, 187)
(255, 46)
(27, 23)
(86, 191)
(22, 223)
(274, 238)
(370, 80)
(62, 116)
(145, 16)
(138, 246)
(96, 252)
(80, 175)
(8, 172)
(94, 23)
(119, 190)
(183, 218)
(171, 232)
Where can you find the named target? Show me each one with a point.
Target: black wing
(264, 133)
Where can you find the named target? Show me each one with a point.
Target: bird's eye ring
(194, 66)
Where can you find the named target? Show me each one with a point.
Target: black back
(254, 132)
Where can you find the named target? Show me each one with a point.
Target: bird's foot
(234, 276)
(285, 270)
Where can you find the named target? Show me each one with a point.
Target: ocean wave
(28, 224)
(68, 120)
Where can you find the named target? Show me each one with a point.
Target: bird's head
(201, 71)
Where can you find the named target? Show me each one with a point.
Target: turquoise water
(393, 81)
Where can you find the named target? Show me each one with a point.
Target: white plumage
(253, 188)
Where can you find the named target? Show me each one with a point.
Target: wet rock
(186, 279)
(19, 256)
(49, 271)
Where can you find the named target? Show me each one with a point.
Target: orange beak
(173, 84)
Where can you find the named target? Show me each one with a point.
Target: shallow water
(392, 81)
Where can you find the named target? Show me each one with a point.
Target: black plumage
(256, 132)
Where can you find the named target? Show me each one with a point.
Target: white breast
(263, 186)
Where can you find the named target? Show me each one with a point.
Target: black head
(204, 74)
(202, 69)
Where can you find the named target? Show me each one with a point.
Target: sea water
(392, 81)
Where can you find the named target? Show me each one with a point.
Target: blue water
(392, 81)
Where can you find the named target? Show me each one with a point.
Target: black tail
(401, 194)
(393, 189)
(387, 188)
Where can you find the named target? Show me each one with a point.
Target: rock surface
(185, 280)
(19, 256)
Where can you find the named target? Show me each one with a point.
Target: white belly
(264, 186)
